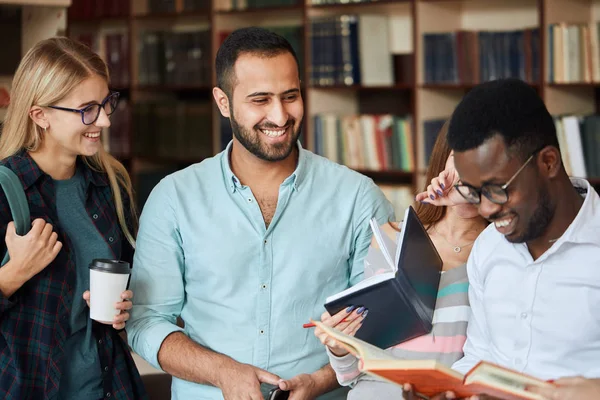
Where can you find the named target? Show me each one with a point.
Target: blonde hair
(47, 74)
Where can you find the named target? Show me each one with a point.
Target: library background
(379, 77)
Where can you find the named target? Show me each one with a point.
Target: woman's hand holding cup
(123, 306)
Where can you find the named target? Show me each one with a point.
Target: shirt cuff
(343, 362)
(155, 336)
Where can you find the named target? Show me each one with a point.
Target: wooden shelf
(344, 6)
(173, 15)
(165, 160)
(171, 88)
(389, 176)
(399, 86)
(45, 3)
(294, 7)
(574, 85)
(457, 86)
(99, 20)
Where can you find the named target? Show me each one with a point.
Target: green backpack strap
(17, 201)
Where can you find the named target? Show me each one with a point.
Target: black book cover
(400, 303)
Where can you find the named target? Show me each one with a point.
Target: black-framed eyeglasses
(493, 192)
(90, 114)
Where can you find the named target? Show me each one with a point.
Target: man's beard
(539, 221)
(250, 139)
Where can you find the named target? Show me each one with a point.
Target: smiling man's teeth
(273, 133)
(91, 135)
(501, 223)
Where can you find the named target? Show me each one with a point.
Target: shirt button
(265, 241)
(105, 369)
(524, 315)
(108, 394)
(111, 239)
(263, 286)
(249, 200)
(100, 341)
(95, 216)
(262, 332)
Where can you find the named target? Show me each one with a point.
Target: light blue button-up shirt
(244, 290)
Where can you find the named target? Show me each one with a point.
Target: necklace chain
(456, 248)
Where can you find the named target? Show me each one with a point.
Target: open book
(429, 377)
(401, 302)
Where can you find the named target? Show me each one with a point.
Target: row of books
(171, 6)
(229, 5)
(574, 54)
(292, 33)
(90, 9)
(174, 58)
(365, 142)
(401, 196)
(350, 50)
(172, 129)
(471, 57)
(117, 138)
(114, 49)
(579, 140)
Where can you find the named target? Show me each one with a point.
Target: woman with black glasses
(80, 203)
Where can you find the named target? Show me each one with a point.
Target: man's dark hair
(508, 107)
(253, 40)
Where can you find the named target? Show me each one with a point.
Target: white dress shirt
(539, 317)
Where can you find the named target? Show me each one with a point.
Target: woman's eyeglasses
(90, 114)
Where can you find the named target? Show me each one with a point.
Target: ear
(222, 102)
(551, 161)
(39, 117)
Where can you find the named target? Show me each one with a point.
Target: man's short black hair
(508, 107)
(253, 40)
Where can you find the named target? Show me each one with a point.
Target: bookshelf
(437, 50)
(25, 23)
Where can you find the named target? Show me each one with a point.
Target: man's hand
(578, 388)
(409, 394)
(301, 387)
(242, 381)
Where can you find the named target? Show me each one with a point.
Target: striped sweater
(444, 343)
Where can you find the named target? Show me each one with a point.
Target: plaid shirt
(34, 321)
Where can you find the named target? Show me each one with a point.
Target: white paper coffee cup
(108, 279)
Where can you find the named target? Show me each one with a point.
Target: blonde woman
(80, 203)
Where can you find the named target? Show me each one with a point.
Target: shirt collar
(296, 178)
(586, 225)
(29, 171)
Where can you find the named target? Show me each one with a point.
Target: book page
(386, 245)
(362, 284)
(504, 379)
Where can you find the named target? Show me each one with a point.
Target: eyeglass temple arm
(517, 173)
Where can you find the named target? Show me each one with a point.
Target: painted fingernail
(360, 310)
(439, 192)
(365, 314)
(431, 197)
(349, 309)
(442, 185)
(424, 202)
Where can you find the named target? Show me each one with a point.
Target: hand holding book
(348, 321)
